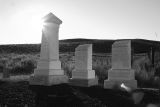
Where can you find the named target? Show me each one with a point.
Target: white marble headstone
(121, 55)
(83, 57)
(83, 62)
(83, 75)
(121, 71)
(49, 70)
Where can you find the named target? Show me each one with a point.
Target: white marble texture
(49, 65)
(121, 55)
(83, 63)
(121, 71)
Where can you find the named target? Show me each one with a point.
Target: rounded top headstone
(51, 18)
(122, 43)
(84, 47)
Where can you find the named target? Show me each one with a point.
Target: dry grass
(24, 64)
(17, 78)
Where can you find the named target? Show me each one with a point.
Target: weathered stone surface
(83, 57)
(49, 70)
(83, 75)
(121, 71)
(48, 80)
(49, 64)
(121, 74)
(121, 55)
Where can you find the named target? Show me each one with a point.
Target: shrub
(144, 71)
(19, 64)
(101, 65)
(101, 72)
(68, 63)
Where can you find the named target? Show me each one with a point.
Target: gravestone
(49, 70)
(121, 71)
(83, 75)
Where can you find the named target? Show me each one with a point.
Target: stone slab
(52, 18)
(111, 84)
(122, 74)
(48, 80)
(83, 57)
(48, 64)
(121, 55)
(50, 42)
(84, 47)
(48, 72)
(83, 82)
(83, 74)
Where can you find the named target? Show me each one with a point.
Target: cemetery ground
(22, 60)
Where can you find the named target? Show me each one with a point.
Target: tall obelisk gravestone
(49, 70)
(121, 71)
(83, 75)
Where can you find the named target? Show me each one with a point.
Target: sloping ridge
(99, 46)
(105, 46)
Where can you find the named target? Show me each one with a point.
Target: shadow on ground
(20, 94)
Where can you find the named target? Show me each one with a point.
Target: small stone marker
(83, 75)
(49, 70)
(121, 71)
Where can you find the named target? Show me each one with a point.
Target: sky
(20, 20)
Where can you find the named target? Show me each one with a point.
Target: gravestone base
(48, 72)
(121, 74)
(83, 82)
(83, 74)
(48, 80)
(116, 83)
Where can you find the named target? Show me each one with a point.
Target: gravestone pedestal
(48, 80)
(49, 70)
(111, 84)
(84, 78)
(117, 77)
(121, 71)
(83, 74)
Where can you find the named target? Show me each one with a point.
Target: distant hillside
(20, 48)
(105, 46)
(69, 45)
(99, 46)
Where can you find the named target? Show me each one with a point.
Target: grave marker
(121, 71)
(49, 70)
(83, 75)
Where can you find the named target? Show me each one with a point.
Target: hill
(69, 45)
